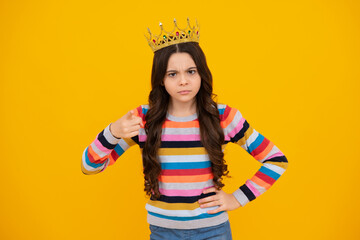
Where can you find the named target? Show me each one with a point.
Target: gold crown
(177, 35)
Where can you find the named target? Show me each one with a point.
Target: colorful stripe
(201, 216)
(185, 165)
(186, 169)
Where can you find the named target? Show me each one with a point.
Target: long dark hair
(212, 135)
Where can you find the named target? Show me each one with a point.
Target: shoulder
(226, 112)
(141, 110)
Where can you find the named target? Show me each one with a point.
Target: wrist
(111, 131)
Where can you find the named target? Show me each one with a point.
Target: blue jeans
(218, 232)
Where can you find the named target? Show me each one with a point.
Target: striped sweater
(186, 168)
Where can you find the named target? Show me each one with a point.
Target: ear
(162, 83)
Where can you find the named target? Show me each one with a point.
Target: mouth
(184, 92)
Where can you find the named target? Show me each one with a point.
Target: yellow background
(69, 68)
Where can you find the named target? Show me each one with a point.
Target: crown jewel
(177, 35)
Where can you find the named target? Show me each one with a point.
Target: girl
(182, 133)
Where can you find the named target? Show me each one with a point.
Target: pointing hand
(127, 126)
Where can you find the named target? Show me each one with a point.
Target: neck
(179, 109)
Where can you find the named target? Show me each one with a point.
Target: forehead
(180, 61)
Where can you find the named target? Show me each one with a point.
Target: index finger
(208, 199)
(212, 189)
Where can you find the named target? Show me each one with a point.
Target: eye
(170, 74)
(192, 71)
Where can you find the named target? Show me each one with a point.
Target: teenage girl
(182, 133)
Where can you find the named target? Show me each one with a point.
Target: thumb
(130, 114)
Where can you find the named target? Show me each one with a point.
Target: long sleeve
(274, 163)
(104, 151)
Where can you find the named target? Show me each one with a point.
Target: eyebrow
(177, 71)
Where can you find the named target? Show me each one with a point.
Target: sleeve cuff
(241, 197)
(109, 136)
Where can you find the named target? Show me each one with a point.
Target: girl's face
(182, 80)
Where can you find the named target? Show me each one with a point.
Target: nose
(183, 80)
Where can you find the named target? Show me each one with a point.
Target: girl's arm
(274, 163)
(105, 150)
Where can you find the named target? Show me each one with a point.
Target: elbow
(83, 169)
(286, 163)
(88, 170)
